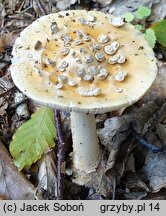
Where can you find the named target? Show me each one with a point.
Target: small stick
(41, 7)
(60, 156)
(21, 6)
(7, 91)
(146, 144)
(13, 106)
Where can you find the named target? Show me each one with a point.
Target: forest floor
(132, 170)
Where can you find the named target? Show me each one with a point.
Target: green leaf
(33, 138)
(150, 37)
(143, 12)
(129, 17)
(160, 31)
(139, 27)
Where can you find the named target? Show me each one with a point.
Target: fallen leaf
(94, 196)
(34, 138)
(117, 129)
(4, 86)
(114, 138)
(129, 6)
(64, 4)
(103, 3)
(7, 40)
(154, 171)
(135, 188)
(47, 173)
(158, 10)
(13, 184)
(3, 104)
(161, 129)
(114, 132)
(161, 195)
(158, 90)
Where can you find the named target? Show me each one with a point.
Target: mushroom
(98, 84)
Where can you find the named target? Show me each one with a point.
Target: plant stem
(60, 156)
(41, 7)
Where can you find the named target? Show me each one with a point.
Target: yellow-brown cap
(83, 61)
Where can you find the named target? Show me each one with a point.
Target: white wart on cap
(59, 54)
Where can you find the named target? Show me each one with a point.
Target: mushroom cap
(53, 52)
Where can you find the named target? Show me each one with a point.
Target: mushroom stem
(85, 142)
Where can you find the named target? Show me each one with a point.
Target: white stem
(85, 142)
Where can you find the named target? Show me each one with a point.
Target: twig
(7, 91)
(145, 143)
(15, 105)
(60, 156)
(41, 7)
(23, 11)
(21, 6)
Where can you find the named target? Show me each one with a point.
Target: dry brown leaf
(7, 40)
(47, 173)
(115, 131)
(158, 89)
(135, 188)
(161, 195)
(4, 86)
(64, 4)
(159, 11)
(99, 182)
(3, 105)
(161, 129)
(13, 184)
(103, 3)
(154, 171)
(92, 195)
(119, 9)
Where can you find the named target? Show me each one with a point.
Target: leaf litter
(13, 184)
